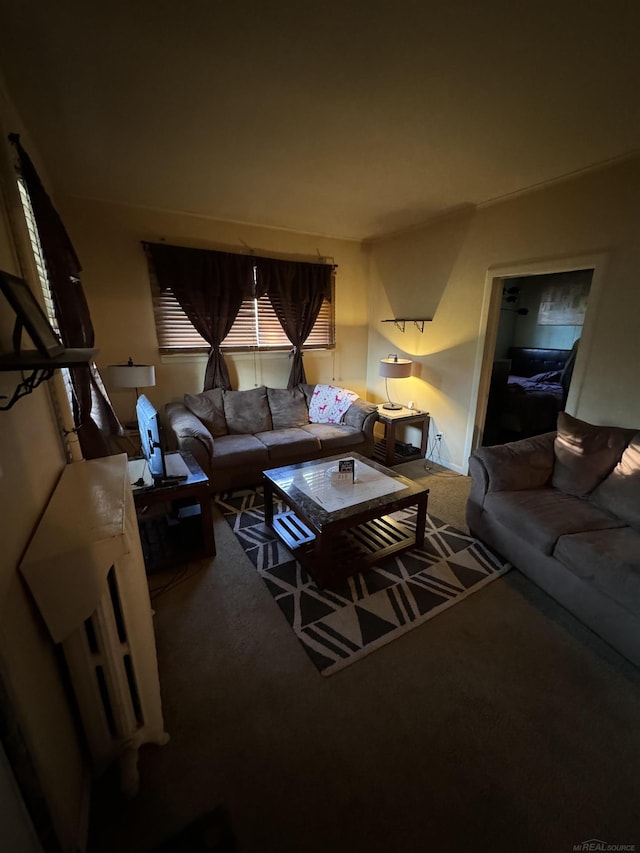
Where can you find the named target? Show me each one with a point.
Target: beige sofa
(564, 509)
(236, 435)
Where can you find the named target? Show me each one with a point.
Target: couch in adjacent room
(564, 509)
(236, 435)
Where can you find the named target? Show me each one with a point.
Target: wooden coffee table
(338, 530)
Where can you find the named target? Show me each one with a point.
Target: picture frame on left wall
(30, 315)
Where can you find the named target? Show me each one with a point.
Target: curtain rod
(324, 259)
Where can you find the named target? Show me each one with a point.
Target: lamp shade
(132, 375)
(395, 368)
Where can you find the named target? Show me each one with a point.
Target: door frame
(495, 278)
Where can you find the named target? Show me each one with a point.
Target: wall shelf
(50, 353)
(40, 367)
(400, 322)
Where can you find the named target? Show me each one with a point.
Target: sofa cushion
(307, 389)
(542, 516)
(188, 428)
(247, 412)
(288, 407)
(334, 436)
(609, 559)
(209, 408)
(239, 450)
(619, 494)
(358, 412)
(585, 454)
(289, 444)
(524, 464)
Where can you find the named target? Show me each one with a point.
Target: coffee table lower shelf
(342, 553)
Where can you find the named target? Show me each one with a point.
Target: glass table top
(309, 486)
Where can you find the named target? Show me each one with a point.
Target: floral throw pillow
(329, 403)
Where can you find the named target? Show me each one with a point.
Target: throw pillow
(208, 407)
(329, 403)
(585, 454)
(247, 412)
(288, 407)
(619, 494)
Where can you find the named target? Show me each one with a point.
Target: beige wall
(107, 238)
(31, 461)
(445, 271)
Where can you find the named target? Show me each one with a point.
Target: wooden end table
(386, 450)
(196, 486)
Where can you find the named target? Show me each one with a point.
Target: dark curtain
(296, 291)
(210, 287)
(92, 412)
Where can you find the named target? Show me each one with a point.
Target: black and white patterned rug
(339, 626)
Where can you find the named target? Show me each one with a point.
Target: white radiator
(86, 571)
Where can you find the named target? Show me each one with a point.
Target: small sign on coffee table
(345, 475)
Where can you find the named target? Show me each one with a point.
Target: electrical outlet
(438, 436)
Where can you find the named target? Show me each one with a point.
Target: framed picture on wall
(564, 304)
(28, 311)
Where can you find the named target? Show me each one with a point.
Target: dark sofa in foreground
(236, 435)
(564, 509)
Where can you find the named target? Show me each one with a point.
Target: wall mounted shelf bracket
(401, 323)
(40, 368)
(28, 384)
(50, 354)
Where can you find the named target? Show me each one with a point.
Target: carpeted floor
(503, 725)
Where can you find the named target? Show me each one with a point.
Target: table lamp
(132, 375)
(394, 368)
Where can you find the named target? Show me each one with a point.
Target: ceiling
(353, 118)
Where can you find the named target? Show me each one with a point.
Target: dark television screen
(150, 437)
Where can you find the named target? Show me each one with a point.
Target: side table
(388, 450)
(196, 487)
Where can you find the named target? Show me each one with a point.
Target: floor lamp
(132, 375)
(394, 368)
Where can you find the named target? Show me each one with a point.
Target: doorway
(537, 325)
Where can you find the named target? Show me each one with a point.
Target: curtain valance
(178, 266)
(189, 271)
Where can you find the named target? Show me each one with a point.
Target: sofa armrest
(190, 434)
(362, 415)
(525, 464)
(479, 481)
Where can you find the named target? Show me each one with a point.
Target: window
(41, 268)
(49, 307)
(38, 256)
(58, 270)
(255, 327)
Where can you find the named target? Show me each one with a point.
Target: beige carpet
(502, 725)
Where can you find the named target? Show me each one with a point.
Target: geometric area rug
(341, 625)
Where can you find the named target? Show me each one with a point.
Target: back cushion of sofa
(619, 494)
(307, 390)
(209, 408)
(247, 412)
(585, 454)
(288, 407)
